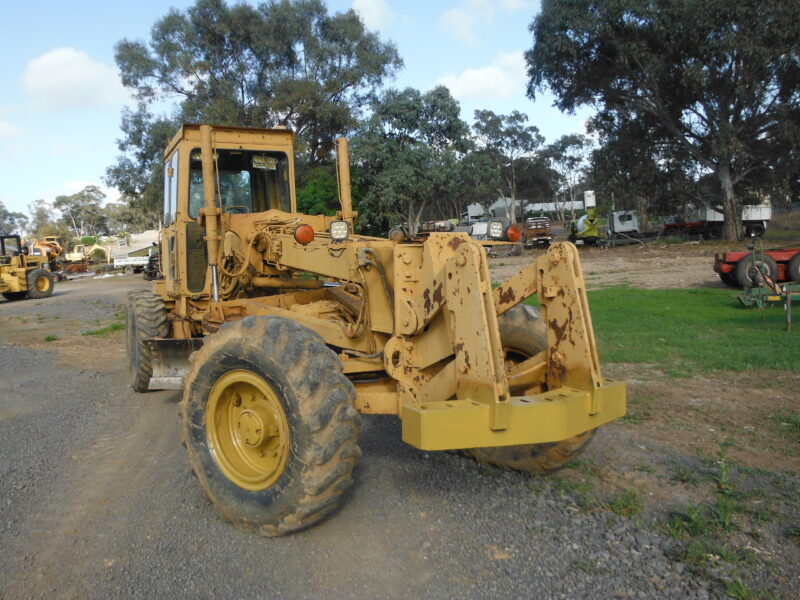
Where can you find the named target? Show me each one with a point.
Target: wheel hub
(247, 429)
(251, 429)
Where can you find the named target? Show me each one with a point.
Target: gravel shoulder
(96, 499)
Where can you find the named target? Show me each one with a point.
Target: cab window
(247, 182)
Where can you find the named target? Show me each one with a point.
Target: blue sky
(60, 99)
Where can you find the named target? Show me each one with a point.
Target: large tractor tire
(269, 425)
(40, 284)
(793, 270)
(523, 335)
(747, 275)
(145, 317)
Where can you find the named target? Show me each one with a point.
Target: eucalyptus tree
(721, 78)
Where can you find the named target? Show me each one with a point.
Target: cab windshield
(248, 181)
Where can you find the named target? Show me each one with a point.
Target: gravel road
(96, 500)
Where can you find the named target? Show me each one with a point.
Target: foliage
(138, 172)
(716, 81)
(567, 158)
(318, 191)
(507, 141)
(284, 62)
(409, 152)
(83, 212)
(11, 222)
(688, 331)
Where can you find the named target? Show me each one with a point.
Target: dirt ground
(650, 266)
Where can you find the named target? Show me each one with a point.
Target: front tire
(145, 317)
(523, 335)
(269, 425)
(40, 284)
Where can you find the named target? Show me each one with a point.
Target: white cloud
(376, 14)
(504, 77)
(66, 78)
(461, 25)
(464, 22)
(7, 130)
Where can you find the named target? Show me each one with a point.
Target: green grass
(789, 423)
(105, 330)
(50, 338)
(690, 331)
(627, 503)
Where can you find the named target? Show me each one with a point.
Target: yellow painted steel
(247, 430)
(550, 417)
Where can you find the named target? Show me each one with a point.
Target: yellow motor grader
(282, 327)
(22, 275)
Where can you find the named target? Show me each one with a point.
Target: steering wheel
(237, 209)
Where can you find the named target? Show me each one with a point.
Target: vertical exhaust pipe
(210, 211)
(343, 166)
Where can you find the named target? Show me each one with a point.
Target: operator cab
(248, 181)
(10, 245)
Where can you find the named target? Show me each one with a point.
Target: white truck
(709, 221)
(131, 264)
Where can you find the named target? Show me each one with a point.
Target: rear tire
(746, 273)
(793, 270)
(523, 334)
(40, 284)
(263, 374)
(145, 317)
(713, 232)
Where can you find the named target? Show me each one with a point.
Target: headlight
(496, 230)
(339, 230)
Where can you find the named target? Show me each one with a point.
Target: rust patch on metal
(558, 329)
(455, 242)
(438, 296)
(426, 295)
(466, 361)
(507, 296)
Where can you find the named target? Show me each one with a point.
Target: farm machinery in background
(282, 327)
(23, 275)
(764, 275)
(62, 263)
(749, 268)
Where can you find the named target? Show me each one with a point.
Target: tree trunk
(731, 207)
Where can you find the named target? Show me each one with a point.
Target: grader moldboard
(282, 327)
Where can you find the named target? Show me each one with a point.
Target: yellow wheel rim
(247, 430)
(41, 284)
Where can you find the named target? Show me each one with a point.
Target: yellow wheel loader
(22, 275)
(282, 328)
